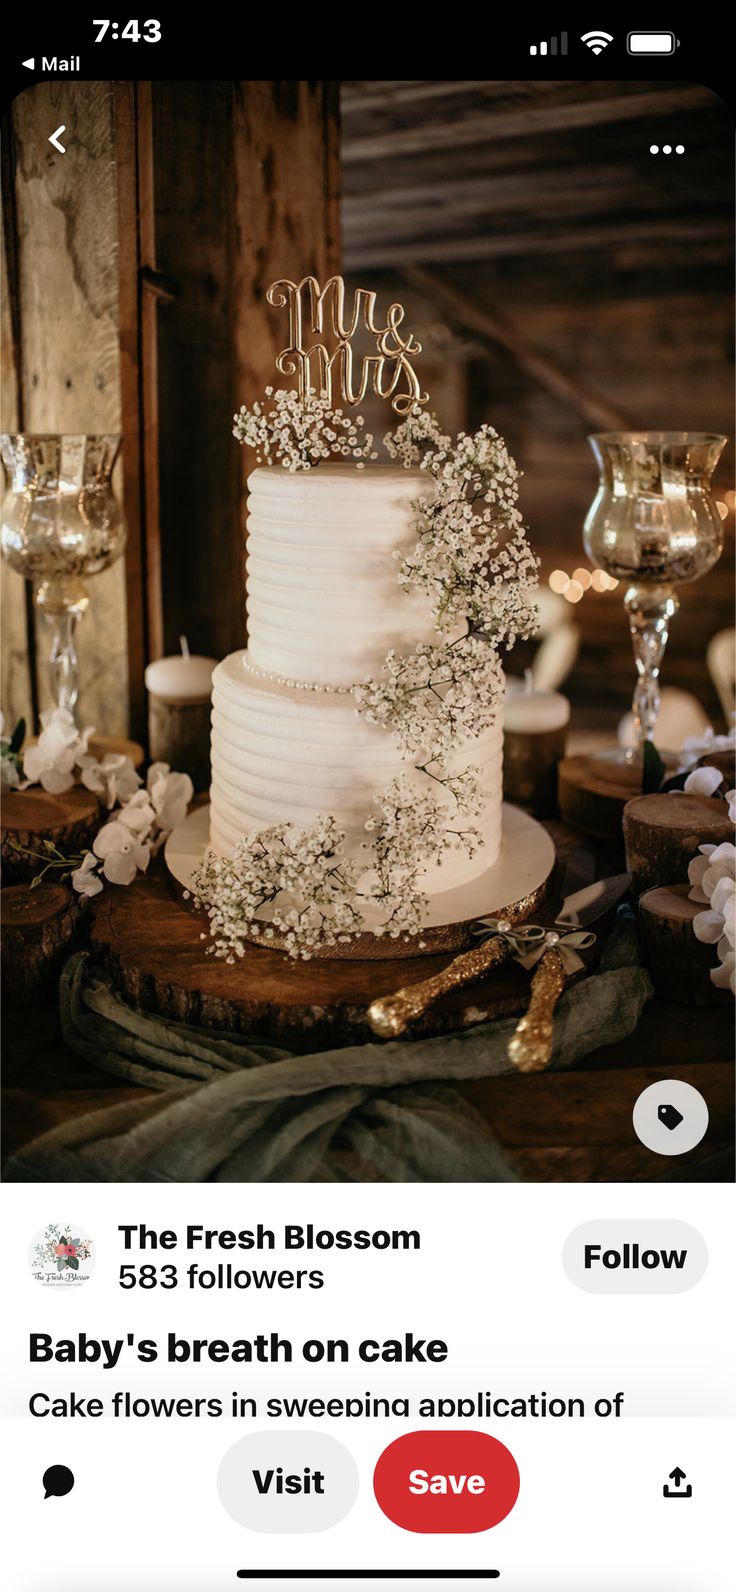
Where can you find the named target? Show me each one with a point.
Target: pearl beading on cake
(301, 685)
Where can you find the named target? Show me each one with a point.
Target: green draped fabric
(234, 1109)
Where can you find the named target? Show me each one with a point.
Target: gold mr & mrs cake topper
(318, 311)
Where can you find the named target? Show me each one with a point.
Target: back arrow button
(54, 139)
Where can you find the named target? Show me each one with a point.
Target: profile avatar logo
(61, 1256)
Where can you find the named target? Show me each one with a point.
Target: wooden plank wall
(144, 255)
(608, 273)
(64, 255)
(256, 198)
(18, 682)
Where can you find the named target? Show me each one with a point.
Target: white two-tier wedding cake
(324, 608)
(357, 741)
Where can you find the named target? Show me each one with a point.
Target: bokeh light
(574, 586)
(559, 582)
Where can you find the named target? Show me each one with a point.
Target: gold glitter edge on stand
(381, 948)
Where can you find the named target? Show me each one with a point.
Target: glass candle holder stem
(649, 610)
(61, 604)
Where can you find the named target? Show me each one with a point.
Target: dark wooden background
(565, 280)
(561, 278)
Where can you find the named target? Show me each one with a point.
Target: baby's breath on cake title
(318, 367)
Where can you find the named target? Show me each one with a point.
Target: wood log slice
(662, 833)
(152, 946)
(30, 817)
(680, 964)
(38, 927)
(179, 734)
(592, 793)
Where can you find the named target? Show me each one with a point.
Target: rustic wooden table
(561, 1127)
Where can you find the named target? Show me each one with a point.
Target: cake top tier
(324, 603)
(341, 476)
(328, 505)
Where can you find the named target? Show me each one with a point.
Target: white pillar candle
(179, 690)
(530, 712)
(183, 677)
(534, 725)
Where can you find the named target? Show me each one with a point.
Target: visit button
(446, 1481)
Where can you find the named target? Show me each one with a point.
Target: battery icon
(651, 43)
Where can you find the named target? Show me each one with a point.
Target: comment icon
(58, 1480)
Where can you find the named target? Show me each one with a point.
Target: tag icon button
(670, 1117)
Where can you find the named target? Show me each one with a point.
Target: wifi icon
(596, 40)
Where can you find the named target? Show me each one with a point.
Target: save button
(446, 1481)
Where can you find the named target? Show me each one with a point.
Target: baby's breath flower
(472, 559)
(297, 883)
(298, 432)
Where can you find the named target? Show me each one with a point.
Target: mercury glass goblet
(60, 523)
(654, 524)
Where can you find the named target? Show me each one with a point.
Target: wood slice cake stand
(151, 943)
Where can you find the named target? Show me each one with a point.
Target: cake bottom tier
(287, 754)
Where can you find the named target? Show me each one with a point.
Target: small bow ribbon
(530, 941)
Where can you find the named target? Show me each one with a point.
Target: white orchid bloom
(137, 814)
(156, 771)
(700, 745)
(114, 778)
(711, 864)
(712, 877)
(85, 879)
(121, 852)
(62, 720)
(50, 761)
(703, 782)
(9, 776)
(724, 976)
(170, 795)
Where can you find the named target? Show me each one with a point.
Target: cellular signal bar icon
(550, 47)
